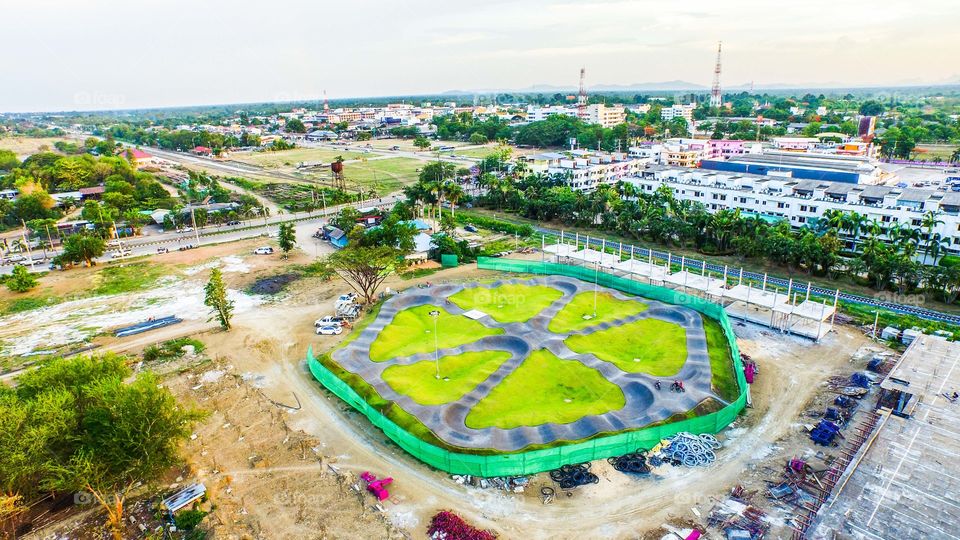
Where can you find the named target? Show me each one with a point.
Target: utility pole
(26, 242)
(436, 341)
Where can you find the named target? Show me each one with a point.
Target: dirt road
(271, 342)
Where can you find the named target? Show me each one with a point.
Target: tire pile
(635, 463)
(691, 450)
(571, 476)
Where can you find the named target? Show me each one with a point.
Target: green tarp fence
(534, 461)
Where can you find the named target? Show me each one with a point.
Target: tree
(364, 136)
(421, 142)
(76, 425)
(365, 268)
(295, 125)
(215, 296)
(478, 138)
(8, 160)
(21, 280)
(871, 107)
(286, 238)
(83, 248)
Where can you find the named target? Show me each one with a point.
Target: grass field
(383, 175)
(651, 346)
(290, 158)
(544, 389)
(127, 278)
(26, 146)
(723, 380)
(509, 302)
(609, 308)
(411, 332)
(459, 375)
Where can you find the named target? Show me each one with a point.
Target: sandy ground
(267, 348)
(271, 342)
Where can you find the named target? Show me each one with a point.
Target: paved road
(798, 287)
(212, 234)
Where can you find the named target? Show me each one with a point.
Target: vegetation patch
(509, 302)
(459, 375)
(546, 389)
(580, 312)
(171, 350)
(411, 332)
(127, 278)
(724, 376)
(651, 346)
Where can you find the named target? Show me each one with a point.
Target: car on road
(162, 250)
(231, 223)
(329, 330)
(394, 147)
(264, 250)
(185, 230)
(120, 253)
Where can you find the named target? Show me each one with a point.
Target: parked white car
(120, 253)
(329, 330)
(265, 250)
(329, 320)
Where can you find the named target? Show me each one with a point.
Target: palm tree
(929, 222)
(453, 193)
(955, 156)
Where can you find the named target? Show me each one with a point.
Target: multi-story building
(802, 202)
(809, 166)
(605, 115)
(536, 114)
(678, 111)
(584, 170)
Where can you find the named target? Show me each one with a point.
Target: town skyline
(218, 56)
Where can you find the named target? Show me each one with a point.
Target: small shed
(890, 332)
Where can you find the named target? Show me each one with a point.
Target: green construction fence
(534, 461)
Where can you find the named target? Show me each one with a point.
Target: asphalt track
(644, 403)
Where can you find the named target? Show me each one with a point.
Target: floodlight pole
(596, 279)
(436, 341)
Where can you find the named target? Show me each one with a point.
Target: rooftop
(906, 482)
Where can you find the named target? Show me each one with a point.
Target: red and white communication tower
(716, 98)
(582, 96)
(326, 105)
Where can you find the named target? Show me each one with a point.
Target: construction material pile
(571, 476)
(446, 525)
(691, 450)
(635, 463)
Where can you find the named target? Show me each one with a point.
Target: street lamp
(436, 341)
(596, 280)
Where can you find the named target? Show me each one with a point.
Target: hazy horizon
(107, 54)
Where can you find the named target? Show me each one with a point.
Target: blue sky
(101, 54)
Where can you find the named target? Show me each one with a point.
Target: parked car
(394, 147)
(120, 253)
(329, 330)
(161, 250)
(265, 250)
(469, 228)
(185, 230)
(231, 223)
(330, 320)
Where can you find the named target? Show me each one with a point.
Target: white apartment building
(585, 169)
(678, 111)
(605, 115)
(802, 202)
(537, 114)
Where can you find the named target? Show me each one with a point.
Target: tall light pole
(436, 341)
(596, 279)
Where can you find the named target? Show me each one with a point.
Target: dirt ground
(267, 347)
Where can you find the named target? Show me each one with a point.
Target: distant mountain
(552, 89)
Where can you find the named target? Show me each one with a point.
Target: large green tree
(81, 425)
